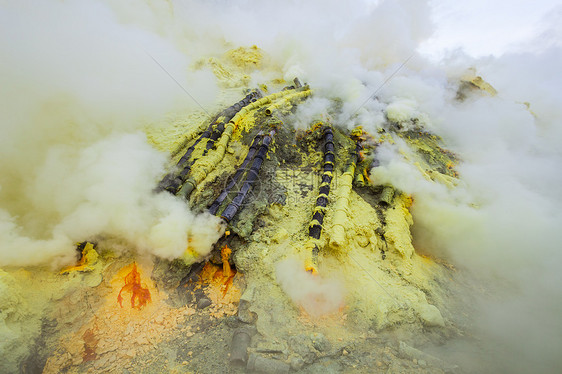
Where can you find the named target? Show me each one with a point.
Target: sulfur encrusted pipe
(345, 183)
(267, 100)
(315, 227)
(185, 142)
(227, 116)
(249, 157)
(387, 196)
(172, 181)
(251, 178)
(208, 164)
(361, 178)
(287, 101)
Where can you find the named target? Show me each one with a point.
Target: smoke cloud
(501, 221)
(77, 85)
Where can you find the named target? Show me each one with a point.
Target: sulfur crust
(403, 274)
(398, 292)
(381, 293)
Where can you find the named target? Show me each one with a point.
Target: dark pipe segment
(239, 347)
(231, 210)
(172, 182)
(315, 227)
(249, 157)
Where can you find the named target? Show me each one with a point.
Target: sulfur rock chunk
(245, 58)
(470, 82)
(430, 315)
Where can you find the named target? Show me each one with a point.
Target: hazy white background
(481, 28)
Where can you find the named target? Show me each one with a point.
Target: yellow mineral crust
(480, 83)
(28, 297)
(384, 281)
(470, 82)
(398, 222)
(380, 292)
(173, 133)
(89, 258)
(233, 68)
(19, 322)
(220, 287)
(245, 58)
(340, 209)
(446, 175)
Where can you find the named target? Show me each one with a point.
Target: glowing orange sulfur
(225, 254)
(133, 285)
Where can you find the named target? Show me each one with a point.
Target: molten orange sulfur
(133, 285)
(225, 254)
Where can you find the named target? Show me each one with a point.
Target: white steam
(76, 86)
(316, 295)
(502, 221)
(106, 189)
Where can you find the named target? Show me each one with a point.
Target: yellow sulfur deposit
(245, 58)
(88, 259)
(124, 312)
(471, 82)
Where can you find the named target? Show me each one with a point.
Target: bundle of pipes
(172, 182)
(251, 178)
(286, 101)
(189, 137)
(208, 164)
(345, 184)
(362, 178)
(228, 114)
(249, 157)
(315, 227)
(303, 92)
